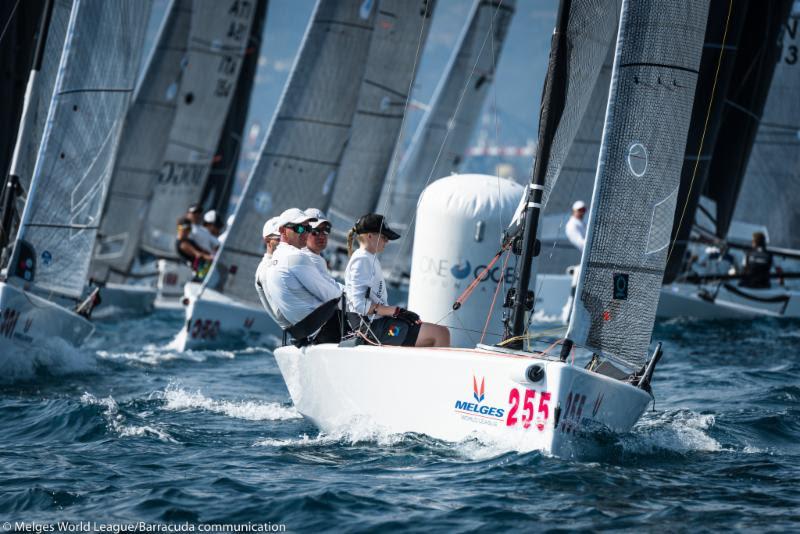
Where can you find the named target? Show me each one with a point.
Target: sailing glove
(404, 314)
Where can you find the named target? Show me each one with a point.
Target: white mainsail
(401, 28)
(650, 103)
(95, 80)
(142, 144)
(439, 144)
(306, 139)
(217, 43)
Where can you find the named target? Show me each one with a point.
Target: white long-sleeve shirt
(263, 295)
(295, 285)
(364, 283)
(576, 232)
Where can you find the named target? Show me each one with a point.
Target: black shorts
(397, 332)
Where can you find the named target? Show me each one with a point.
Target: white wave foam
(682, 431)
(54, 356)
(178, 398)
(116, 421)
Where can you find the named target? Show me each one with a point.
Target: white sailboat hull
(172, 277)
(455, 394)
(216, 321)
(28, 321)
(691, 300)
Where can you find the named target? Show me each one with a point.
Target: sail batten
(633, 204)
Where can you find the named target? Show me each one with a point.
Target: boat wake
(53, 357)
(117, 422)
(176, 398)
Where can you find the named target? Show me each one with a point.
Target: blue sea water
(126, 429)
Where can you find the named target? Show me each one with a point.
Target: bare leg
(433, 335)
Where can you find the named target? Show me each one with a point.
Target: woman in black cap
(366, 290)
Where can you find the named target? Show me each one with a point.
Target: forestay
(439, 144)
(142, 144)
(650, 103)
(304, 145)
(92, 90)
(770, 193)
(217, 43)
(401, 28)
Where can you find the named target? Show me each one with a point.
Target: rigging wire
(10, 18)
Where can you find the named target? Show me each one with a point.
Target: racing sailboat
(58, 227)
(515, 391)
(306, 146)
(755, 191)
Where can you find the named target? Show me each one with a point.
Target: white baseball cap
(270, 228)
(318, 215)
(579, 205)
(292, 216)
(210, 217)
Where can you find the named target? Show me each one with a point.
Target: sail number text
(522, 403)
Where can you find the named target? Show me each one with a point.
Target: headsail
(770, 193)
(438, 146)
(95, 80)
(650, 103)
(401, 28)
(304, 145)
(217, 42)
(142, 144)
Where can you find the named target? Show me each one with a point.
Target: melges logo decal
(474, 409)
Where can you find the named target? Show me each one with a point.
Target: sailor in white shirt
(271, 237)
(295, 285)
(318, 238)
(576, 228)
(366, 290)
(200, 233)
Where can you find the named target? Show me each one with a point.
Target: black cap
(372, 223)
(195, 208)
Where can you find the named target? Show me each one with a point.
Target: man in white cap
(213, 223)
(271, 236)
(318, 238)
(306, 298)
(576, 228)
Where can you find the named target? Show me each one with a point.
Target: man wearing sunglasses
(318, 238)
(306, 297)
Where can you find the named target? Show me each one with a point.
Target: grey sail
(576, 179)
(305, 142)
(95, 80)
(649, 108)
(401, 28)
(39, 104)
(770, 192)
(217, 43)
(438, 146)
(142, 144)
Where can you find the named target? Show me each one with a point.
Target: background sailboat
(57, 231)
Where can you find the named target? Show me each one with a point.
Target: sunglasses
(321, 231)
(299, 228)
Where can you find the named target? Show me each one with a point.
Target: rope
(705, 128)
(471, 287)
(494, 298)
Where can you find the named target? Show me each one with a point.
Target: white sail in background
(217, 43)
(39, 103)
(770, 193)
(401, 28)
(304, 144)
(142, 144)
(93, 87)
(439, 144)
(650, 104)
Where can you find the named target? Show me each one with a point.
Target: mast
(552, 107)
(12, 188)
